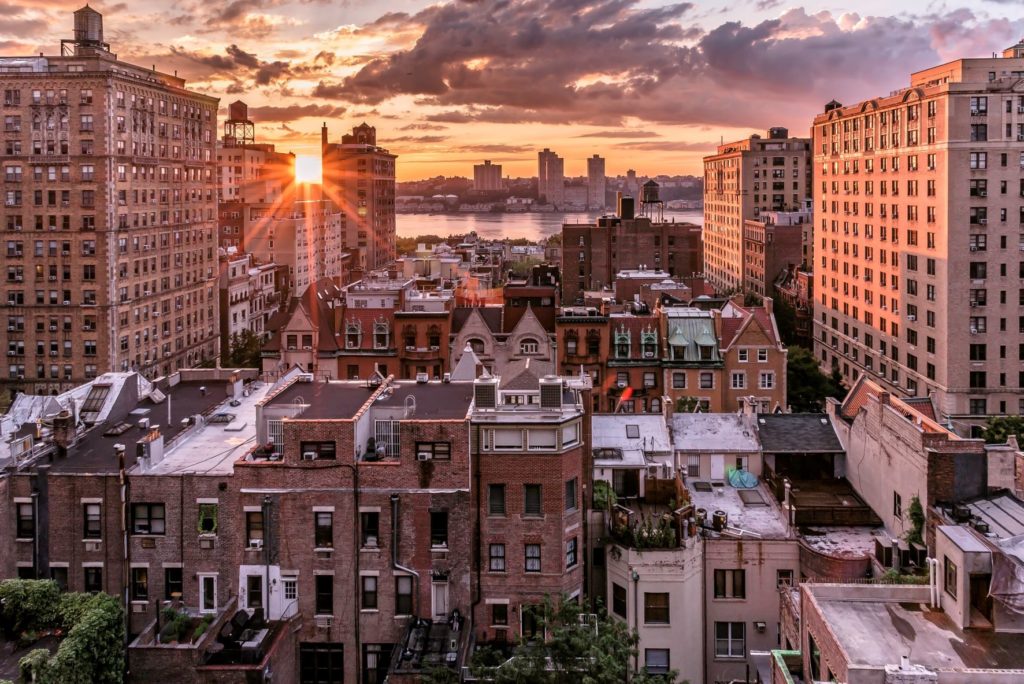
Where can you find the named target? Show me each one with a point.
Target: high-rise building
(110, 204)
(918, 202)
(550, 178)
(741, 180)
(359, 177)
(596, 183)
(486, 176)
(251, 178)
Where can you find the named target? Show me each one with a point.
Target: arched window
(409, 336)
(353, 335)
(434, 336)
(380, 335)
(477, 345)
(529, 346)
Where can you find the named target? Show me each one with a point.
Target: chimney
(323, 138)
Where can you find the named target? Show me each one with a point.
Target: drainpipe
(267, 504)
(394, 555)
(126, 550)
(636, 618)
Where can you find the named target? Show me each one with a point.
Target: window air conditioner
(424, 456)
(255, 543)
(309, 456)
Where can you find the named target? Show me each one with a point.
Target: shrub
(28, 605)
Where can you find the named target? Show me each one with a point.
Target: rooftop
(342, 399)
(718, 432)
(876, 624)
(752, 512)
(631, 433)
(337, 399)
(797, 433)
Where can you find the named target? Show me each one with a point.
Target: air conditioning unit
(974, 304)
(424, 456)
(92, 545)
(308, 455)
(974, 248)
(10, 328)
(255, 543)
(911, 317)
(974, 331)
(621, 384)
(53, 328)
(410, 348)
(983, 221)
(648, 355)
(307, 348)
(324, 621)
(67, 302)
(983, 193)
(291, 347)
(1020, 137)
(435, 347)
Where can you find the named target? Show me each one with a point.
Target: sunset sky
(648, 84)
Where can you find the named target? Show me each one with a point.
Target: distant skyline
(646, 84)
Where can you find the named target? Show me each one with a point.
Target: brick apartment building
(109, 217)
(359, 178)
(364, 528)
(639, 359)
(773, 244)
(918, 227)
(741, 181)
(593, 253)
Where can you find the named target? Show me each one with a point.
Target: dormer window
(529, 346)
(380, 335)
(622, 344)
(353, 335)
(649, 343)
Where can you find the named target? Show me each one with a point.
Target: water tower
(88, 34)
(238, 129)
(651, 205)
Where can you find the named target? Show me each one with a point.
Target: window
(92, 521)
(208, 518)
(532, 558)
(26, 521)
(619, 600)
(499, 615)
(767, 380)
(897, 505)
(291, 589)
(496, 556)
(496, 499)
(528, 346)
(762, 355)
(439, 529)
(59, 574)
(369, 592)
(403, 595)
(656, 661)
(949, 576)
(140, 584)
(320, 450)
(741, 355)
(783, 578)
(730, 640)
(678, 380)
(571, 555)
(438, 451)
(369, 527)
(532, 500)
(324, 604)
(707, 380)
(93, 579)
(173, 585)
(739, 380)
(730, 584)
(570, 494)
(323, 529)
(254, 528)
(147, 518)
(656, 608)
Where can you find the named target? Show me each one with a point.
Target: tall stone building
(918, 238)
(550, 177)
(359, 178)
(109, 217)
(596, 183)
(486, 176)
(741, 180)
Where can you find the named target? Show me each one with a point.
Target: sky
(648, 84)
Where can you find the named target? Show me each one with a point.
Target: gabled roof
(529, 323)
(490, 316)
(524, 374)
(865, 389)
(467, 365)
(313, 306)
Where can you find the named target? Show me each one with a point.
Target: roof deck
(751, 512)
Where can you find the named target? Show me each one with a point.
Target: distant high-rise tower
(595, 183)
(359, 177)
(631, 187)
(550, 177)
(486, 176)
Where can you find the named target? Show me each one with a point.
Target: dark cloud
(293, 112)
(243, 58)
(624, 133)
(668, 146)
(423, 139)
(423, 127)
(330, 90)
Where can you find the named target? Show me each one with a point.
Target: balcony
(422, 353)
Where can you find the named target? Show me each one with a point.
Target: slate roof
(313, 303)
(490, 314)
(797, 433)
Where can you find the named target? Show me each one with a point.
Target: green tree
(591, 651)
(244, 350)
(785, 319)
(686, 404)
(807, 387)
(522, 269)
(999, 428)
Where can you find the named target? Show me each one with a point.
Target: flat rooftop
(875, 628)
(717, 432)
(436, 400)
(854, 541)
(342, 399)
(751, 510)
(631, 432)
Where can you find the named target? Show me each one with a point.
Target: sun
(307, 168)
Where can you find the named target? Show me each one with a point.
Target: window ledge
(369, 610)
(369, 549)
(24, 539)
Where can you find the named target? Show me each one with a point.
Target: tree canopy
(578, 649)
(999, 428)
(807, 387)
(244, 350)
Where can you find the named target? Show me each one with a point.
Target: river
(533, 225)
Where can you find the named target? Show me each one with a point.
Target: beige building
(742, 180)
(597, 182)
(550, 178)
(486, 176)
(109, 217)
(918, 237)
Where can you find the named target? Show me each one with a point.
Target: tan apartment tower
(741, 180)
(359, 178)
(920, 238)
(550, 178)
(596, 183)
(486, 176)
(109, 217)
